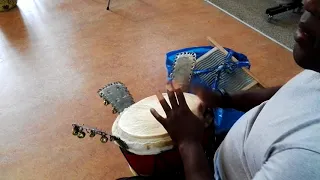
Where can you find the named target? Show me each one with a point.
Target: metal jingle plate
(117, 95)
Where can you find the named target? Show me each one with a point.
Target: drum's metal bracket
(81, 130)
(117, 95)
(183, 68)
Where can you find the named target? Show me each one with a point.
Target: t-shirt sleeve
(291, 164)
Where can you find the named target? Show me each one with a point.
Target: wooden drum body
(150, 148)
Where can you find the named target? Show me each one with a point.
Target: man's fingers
(198, 91)
(164, 103)
(181, 98)
(158, 116)
(205, 95)
(172, 96)
(201, 108)
(180, 95)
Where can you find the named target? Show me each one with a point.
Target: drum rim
(154, 146)
(140, 137)
(147, 145)
(152, 136)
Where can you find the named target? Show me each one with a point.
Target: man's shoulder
(306, 76)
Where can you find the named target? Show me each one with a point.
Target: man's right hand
(210, 99)
(241, 101)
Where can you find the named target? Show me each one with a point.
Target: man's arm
(194, 161)
(246, 100)
(242, 101)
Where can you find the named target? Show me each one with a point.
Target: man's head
(307, 47)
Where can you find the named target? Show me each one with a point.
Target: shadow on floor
(13, 28)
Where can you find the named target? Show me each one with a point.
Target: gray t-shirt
(279, 139)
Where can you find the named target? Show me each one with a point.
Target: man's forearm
(194, 161)
(246, 100)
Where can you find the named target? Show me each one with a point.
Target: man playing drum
(277, 138)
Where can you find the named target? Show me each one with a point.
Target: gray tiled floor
(252, 12)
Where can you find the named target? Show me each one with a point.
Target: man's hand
(210, 99)
(181, 124)
(186, 129)
(241, 101)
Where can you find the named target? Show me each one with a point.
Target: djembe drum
(151, 151)
(144, 142)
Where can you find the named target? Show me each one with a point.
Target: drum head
(141, 131)
(139, 122)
